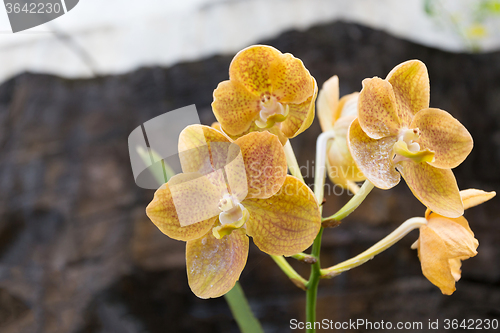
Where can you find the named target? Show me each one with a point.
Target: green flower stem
(241, 310)
(162, 172)
(319, 184)
(298, 280)
(349, 207)
(312, 284)
(384, 244)
(291, 160)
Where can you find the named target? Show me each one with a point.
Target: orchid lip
(407, 149)
(271, 111)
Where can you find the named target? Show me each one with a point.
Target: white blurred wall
(116, 36)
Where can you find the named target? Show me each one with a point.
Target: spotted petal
(444, 135)
(214, 265)
(286, 223)
(373, 157)
(435, 188)
(251, 66)
(235, 107)
(265, 163)
(377, 109)
(410, 82)
(434, 259)
(290, 80)
(163, 212)
(328, 100)
(195, 149)
(300, 116)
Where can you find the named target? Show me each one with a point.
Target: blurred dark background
(78, 254)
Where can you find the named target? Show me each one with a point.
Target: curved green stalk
(349, 207)
(384, 244)
(241, 310)
(298, 280)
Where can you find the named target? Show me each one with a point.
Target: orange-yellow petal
(434, 259)
(290, 80)
(286, 223)
(455, 265)
(235, 107)
(214, 265)
(377, 112)
(162, 211)
(444, 135)
(265, 163)
(300, 116)
(435, 188)
(250, 67)
(254, 128)
(410, 82)
(459, 241)
(373, 157)
(195, 149)
(328, 100)
(341, 165)
(472, 197)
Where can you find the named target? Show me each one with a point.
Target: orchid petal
(251, 68)
(377, 109)
(214, 265)
(373, 157)
(434, 259)
(300, 116)
(472, 197)
(435, 188)
(444, 135)
(195, 149)
(162, 210)
(410, 82)
(341, 165)
(254, 128)
(328, 100)
(290, 80)
(455, 265)
(235, 107)
(286, 223)
(265, 163)
(459, 241)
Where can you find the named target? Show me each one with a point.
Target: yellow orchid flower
(336, 115)
(444, 242)
(255, 198)
(396, 130)
(266, 90)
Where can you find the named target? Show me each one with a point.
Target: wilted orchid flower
(337, 115)
(396, 130)
(266, 90)
(444, 242)
(256, 198)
